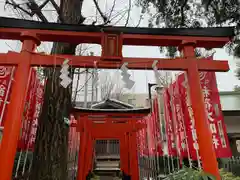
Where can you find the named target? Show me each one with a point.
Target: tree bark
(51, 145)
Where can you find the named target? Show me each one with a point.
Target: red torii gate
(112, 39)
(118, 124)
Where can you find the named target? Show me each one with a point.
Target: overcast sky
(226, 81)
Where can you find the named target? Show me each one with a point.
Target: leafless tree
(111, 87)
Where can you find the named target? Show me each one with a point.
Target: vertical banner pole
(123, 154)
(14, 114)
(88, 155)
(133, 153)
(81, 154)
(127, 154)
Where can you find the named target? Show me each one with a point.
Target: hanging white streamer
(66, 80)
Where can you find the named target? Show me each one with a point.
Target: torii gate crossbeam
(112, 40)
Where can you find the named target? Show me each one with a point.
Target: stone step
(108, 157)
(107, 169)
(107, 163)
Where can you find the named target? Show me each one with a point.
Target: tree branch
(105, 19)
(33, 6)
(129, 11)
(182, 12)
(75, 92)
(57, 9)
(113, 6)
(17, 6)
(44, 4)
(35, 9)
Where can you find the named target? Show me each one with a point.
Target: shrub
(195, 174)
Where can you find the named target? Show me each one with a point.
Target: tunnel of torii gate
(111, 40)
(121, 124)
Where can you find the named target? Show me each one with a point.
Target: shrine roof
(200, 32)
(112, 104)
(112, 111)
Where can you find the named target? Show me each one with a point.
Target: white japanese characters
(5, 85)
(192, 121)
(209, 109)
(221, 134)
(181, 128)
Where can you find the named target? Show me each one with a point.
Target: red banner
(213, 111)
(178, 120)
(142, 138)
(190, 130)
(73, 137)
(6, 76)
(149, 139)
(32, 107)
(214, 114)
(157, 127)
(151, 131)
(150, 134)
(169, 124)
(39, 92)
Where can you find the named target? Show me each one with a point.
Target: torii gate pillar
(204, 135)
(16, 106)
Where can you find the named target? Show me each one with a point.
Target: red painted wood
(128, 39)
(15, 110)
(82, 149)
(206, 149)
(28, 58)
(133, 63)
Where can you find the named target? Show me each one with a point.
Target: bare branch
(139, 21)
(57, 9)
(44, 4)
(123, 13)
(85, 84)
(75, 92)
(110, 88)
(113, 6)
(129, 12)
(36, 10)
(17, 6)
(105, 19)
(33, 6)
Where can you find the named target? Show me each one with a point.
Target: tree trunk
(51, 145)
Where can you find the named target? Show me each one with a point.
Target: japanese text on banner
(214, 114)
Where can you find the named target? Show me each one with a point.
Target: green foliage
(188, 174)
(194, 174)
(192, 14)
(228, 176)
(186, 13)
